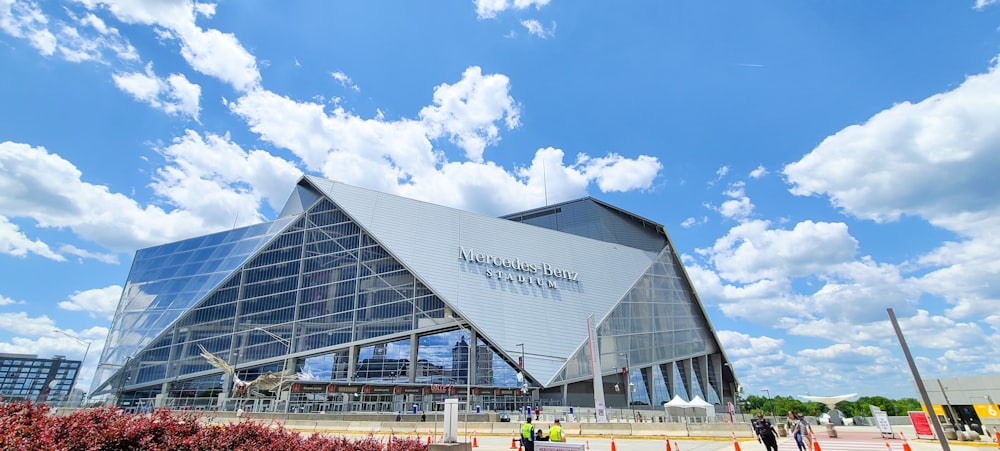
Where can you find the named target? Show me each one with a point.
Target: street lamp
(628, 383)
(82, 361)
(768, 393)
(521, 378)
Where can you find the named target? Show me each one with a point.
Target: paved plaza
(849, 438)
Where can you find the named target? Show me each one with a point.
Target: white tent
(675, 407)
(698, 403)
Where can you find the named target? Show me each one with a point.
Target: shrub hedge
(26, 426)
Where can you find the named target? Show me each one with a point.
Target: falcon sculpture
(267, 381)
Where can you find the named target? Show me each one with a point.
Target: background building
(25, 377)
(966, 402)
(376, 301)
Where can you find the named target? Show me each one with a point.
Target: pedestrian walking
(765, 432)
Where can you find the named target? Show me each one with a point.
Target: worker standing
(528, 435)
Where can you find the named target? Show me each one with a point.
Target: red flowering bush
(26, 426)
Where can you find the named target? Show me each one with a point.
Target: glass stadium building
(374, 302)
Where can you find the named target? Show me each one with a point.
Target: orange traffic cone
(677, 447)
(429, 434)
(475, 443)
(513, 440)
(906, 446)
(613, 443)
(736, 444)
(816, 444)
(668, 442)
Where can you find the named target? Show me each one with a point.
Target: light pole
(628, 384)
(520, 376)
(768, 393)
(82, 361)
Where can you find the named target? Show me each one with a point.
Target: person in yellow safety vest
(556, 433)
(528, 435)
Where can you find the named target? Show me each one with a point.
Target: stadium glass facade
(374, 302)
(26, 377)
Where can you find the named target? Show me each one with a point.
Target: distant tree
(901, 406)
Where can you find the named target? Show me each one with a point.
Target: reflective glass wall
(305, 304)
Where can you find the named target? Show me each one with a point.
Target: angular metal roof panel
(515, 283)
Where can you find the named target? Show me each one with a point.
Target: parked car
(504, 418)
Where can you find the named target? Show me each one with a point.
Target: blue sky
(814, 162)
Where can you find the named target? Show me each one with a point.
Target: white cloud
(488, 9)
(980, 4)
(739, 206)
(467, 111)
(216, 180)
(399, 157)
(21, 324)
(26, 20)
(886, 167)
(345, 81)
(210, 51)
(46, 188)
(758, 172)
(98, 302)
(935, 159)
(173, 95)
(753, 251)
(75, 39)
(69, 249)
(4, 300)
(617, 173)
(16, 243)
(536, 28)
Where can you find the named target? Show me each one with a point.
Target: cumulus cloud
(399, 156)
(47, 189)
(214, 179)
(885, 168)
(468, 111)
(738, 207)
(173, 95)
(4, 300)
(98, 302)
(488, 9)
(935, 159)
(16, 243)
(753, 250)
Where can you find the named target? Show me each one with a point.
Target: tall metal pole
(82, 361)
(919, 382)
(768, 393)
(628, 384)
(521, 379)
